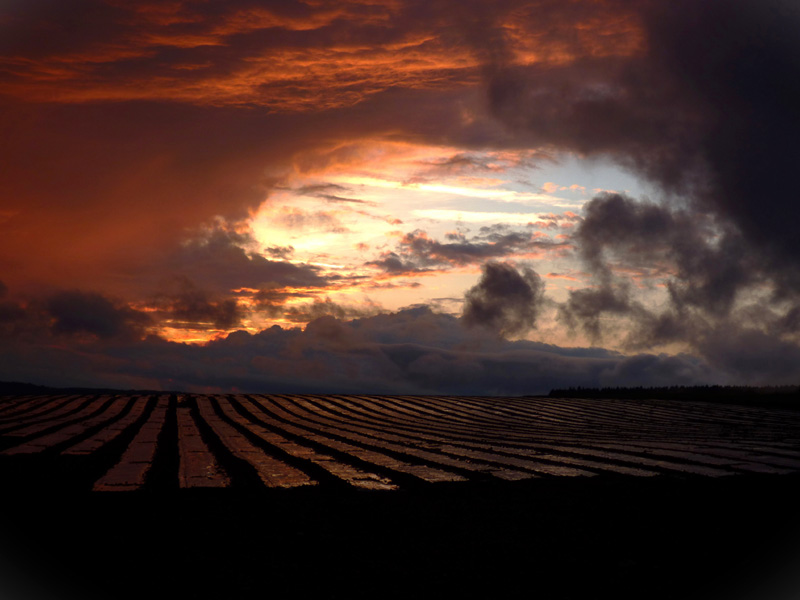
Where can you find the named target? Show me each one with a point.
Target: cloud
(296, 218)
(417, 251)
(187, 306)
(587, 306)
(12, 314)
(218, 258)
(751, 140)
(342, 199)
(305, 313)
(76, 312)
(704, 111)
(724, 303)
(315, 189)
(468, 165)
(282, 252)
(412, 351)
(128, 128)
(394, 264)
(650, 370)
(287, 56)
(706, 265)
(139, 94)
(505, 300)
(330, 192)
(271, 299)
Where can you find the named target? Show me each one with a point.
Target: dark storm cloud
(10, 311)
(634, 230)
(706, 111)
(185, 305)
(219, 259)
(745, 75)
(15, 321)
(412, 351)
(706, 265)
(660, 370)
(585, 307)
(789, 322)
(723, 301)
(652, 328)
(505, 300)
(76, 312)
(754, 356)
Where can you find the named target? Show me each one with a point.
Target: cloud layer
(141, 141)
(415, 351)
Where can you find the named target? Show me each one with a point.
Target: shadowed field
(342, 496)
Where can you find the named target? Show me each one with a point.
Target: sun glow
(348, 209)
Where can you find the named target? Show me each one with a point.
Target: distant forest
(786, 396)
(15, 388)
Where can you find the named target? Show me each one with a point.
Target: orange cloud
(574, 30)
(242, 55)
(562, 276)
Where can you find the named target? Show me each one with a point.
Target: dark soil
(665, 537)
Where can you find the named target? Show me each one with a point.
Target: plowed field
(384, 443)
(289, 496)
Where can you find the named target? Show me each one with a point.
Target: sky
(397, 196)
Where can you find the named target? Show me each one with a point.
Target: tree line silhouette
(786, 396)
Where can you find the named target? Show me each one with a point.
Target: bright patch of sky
(353, 204)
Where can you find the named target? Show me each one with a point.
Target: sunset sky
(396, 196)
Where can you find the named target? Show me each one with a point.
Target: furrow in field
(329, 436)
(352, 475)
(111, 411)
(131, 470)
(13, 408)
(198, 468)
(44, 413)
(271, 471)
(409, 446)
(110, 432)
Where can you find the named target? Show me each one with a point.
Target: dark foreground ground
(619, 537)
